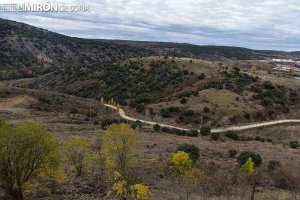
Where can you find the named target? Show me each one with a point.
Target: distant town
(297, 63)
(288, 65)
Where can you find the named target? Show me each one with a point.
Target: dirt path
(217, 130)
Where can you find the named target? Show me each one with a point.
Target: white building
(283, 60)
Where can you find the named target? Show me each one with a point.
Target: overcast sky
(257, 24)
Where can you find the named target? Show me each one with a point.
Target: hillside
(27, 51)
(178, 90)
(207, 52)
(60, 100)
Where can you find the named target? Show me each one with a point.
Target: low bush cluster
(294, 144)
(245, 155)
(189, 133)
(232, 135)
(215, 136)
(261, 139)
(191, 149)
(205, 130)
(107, 122)
(232, 153)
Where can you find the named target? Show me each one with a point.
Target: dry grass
(155, 146)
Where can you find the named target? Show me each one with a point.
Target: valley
(224, 104)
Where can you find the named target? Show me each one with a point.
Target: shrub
(244, 156)
(269, 140)
(193, 133)
(206, 109)
(294, 144)
(215, 136)
(232, 153)
(258, 138)
(156, 127)
(165, 113)
(136, 124)
(247, 115)
(232, 135)
(205, 130)
(191, 149)
(188, 113)
(201, 76)
(183, 101)
(107, 122)
(74, 111)
(165, 129)
(272, 165)
(180, 132)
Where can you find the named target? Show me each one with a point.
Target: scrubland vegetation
(33, 161)
(58, 141)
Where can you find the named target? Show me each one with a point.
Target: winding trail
(217, 130)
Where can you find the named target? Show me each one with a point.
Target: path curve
(217, 130)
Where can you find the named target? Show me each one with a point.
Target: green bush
(215, 136)
(232, 135)
(183, 101)
(244, 156)
(206, 109)
(258, 138)
(192, 150)
(269, 140)
(232, 153)
(205, 130)
(247, 115)
(74, 111)
(165, 129)
(107, 122)
(180, 132)
(294, 144)
(136, 124)
(193, 133)
(272, 165)
(156, 127)
(201, 76)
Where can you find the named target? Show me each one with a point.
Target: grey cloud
(268, 24)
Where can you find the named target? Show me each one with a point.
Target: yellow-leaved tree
(121, 189)
(102, 100)
(77, 151)
(118, 107)
(182, 162)
(120, 142)
(27, 151)
(248, 169)
(187, 178)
